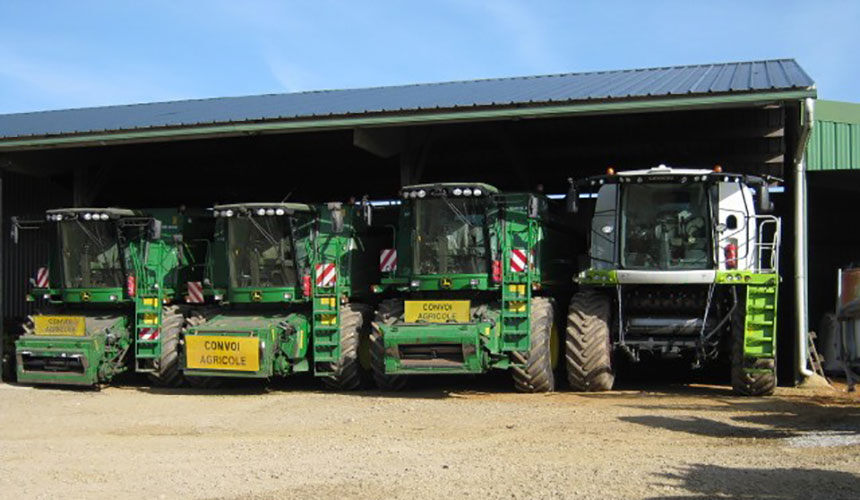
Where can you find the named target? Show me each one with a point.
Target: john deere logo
(446, 282)
(85, 296)
(256, 296)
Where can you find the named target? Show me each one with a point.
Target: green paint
(160, 268)
(264, 295)
(504, 297)
(298, 332)
(745, 278)
(598, 277)
(760, 322)
(835, 111)
(434, 282)
(472, 356)
(88, 360)
(282, 339)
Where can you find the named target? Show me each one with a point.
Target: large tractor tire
(168, 373)
(348, 371)
(389, 312)
(762, 382)
(588, 343)
(537, 374)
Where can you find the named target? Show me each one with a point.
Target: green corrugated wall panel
(835, 140)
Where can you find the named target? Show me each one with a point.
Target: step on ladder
(760, 322)
(516, 284)
(326, 310)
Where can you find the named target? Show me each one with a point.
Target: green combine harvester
(292, 283)
(114, 296)
(471, 284)
(682, 264)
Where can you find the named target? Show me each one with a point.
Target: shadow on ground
(711, 481)
(760, 418)
(647, 378)
(707, 427)
(418, 387)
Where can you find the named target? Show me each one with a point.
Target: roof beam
(383, 120)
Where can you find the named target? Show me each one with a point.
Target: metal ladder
(148, 308)
(516, 287)
(325, 323)
(760, 323)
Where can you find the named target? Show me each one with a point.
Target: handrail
(763, 246)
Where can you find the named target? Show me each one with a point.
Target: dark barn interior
(339, 164)
(515, 133)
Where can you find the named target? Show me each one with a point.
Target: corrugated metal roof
(697, 80)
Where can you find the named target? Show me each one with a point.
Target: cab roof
(666, 170)
(290, 207)
(111, 211)
(451, 185)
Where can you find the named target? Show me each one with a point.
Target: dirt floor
(464, 437)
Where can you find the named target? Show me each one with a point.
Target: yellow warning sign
(206, 352)
(66, 326)
(437, 311)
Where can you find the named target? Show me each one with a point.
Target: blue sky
(64, 54)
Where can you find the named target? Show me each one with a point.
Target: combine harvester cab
(292, 282)
(471, 284)
(112, 295)
(682, 263)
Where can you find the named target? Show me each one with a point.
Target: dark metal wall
(834, 241)
(24, 195)
(21, 195)
(514, 154)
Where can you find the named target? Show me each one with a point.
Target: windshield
(260, 252)
(664, 226)
(90, 254)
(450, 236)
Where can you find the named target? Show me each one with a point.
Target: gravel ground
(446, 438)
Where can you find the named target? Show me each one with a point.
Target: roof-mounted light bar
(259, 211)
(438, 192)
(88, 216)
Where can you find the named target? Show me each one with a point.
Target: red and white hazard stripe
(131, 285)
(388, 260)
(326, 274)
(195, 292)
(519, 260)
(42, 277)
(148, 333)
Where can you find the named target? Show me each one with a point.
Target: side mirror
(15, 230)
(571, 201)
(336, 217)
(366, 211)
(153, 230)
(534, 207)
(764, 204)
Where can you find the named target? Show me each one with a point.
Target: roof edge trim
(448, 116)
